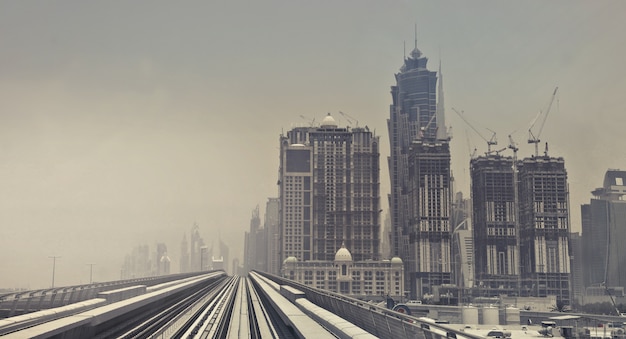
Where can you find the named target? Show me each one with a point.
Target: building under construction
(430, 197)
(544, 227)
(495, 225)
(521, 231)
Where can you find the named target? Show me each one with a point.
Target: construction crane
(349, 118)
(496, 151)
(311, 121)
(534, 138)
(513, 146)
(422, 130)
(490, 142)
(606, 288)
(469, 149)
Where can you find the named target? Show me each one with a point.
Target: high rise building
(253, 238)
(162, 260)
(225, 254)
(138, 263)
(217, 259)
(495, 224)
(272, 229)
(419, 169)
(198, 259)
(429, 262)
(544, 227)
(462, 243)
(329, 192)
(184, 256)
(603, 229)
(576, 260)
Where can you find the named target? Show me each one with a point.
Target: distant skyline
(122, 123)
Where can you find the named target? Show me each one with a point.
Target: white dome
(396, 260)
(290, 260)
(329, 122)
(343, 254)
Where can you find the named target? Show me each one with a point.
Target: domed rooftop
(290, 260)
(343, 254)
(329, 122)
(396, 260)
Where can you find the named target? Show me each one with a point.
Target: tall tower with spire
(419, 167)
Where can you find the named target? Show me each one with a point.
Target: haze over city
(124, 123)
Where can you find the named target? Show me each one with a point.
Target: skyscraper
(430, 197)
(272, 211)
(184, 256)
(419, 169)
(603, 229)
(162, 260)
(329, 192)
(198, 260)
(544, 227)
(495, 224)
(253, 258)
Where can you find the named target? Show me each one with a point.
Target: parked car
(499, 334)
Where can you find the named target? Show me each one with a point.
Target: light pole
(54, 262)
(90, 272)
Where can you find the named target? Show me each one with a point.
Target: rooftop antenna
(404, 55)
(415, 35)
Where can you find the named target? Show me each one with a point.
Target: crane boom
(349, 118)
(532, 138)
(489, 142)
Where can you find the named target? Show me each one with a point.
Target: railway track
(216, 306)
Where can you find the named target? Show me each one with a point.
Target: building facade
(364, 279)
(429, 261)
(272, 228)
(415, 115)
(495, 224)
(603, 230)
(544, 228)
(183, 264)
(329, 192)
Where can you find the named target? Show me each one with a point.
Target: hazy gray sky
(122, 123)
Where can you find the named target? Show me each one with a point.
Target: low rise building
(358, 279)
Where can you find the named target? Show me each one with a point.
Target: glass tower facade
(419, 169)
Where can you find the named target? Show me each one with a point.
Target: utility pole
(90, 272)
(54, 262)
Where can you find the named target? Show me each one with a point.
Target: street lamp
(54, 261)
(90, 272)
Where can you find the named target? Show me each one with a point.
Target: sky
(123, 123)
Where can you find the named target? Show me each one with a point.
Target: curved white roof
(329, 122)
(343, 254)
(396, 260)
(290, 260)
